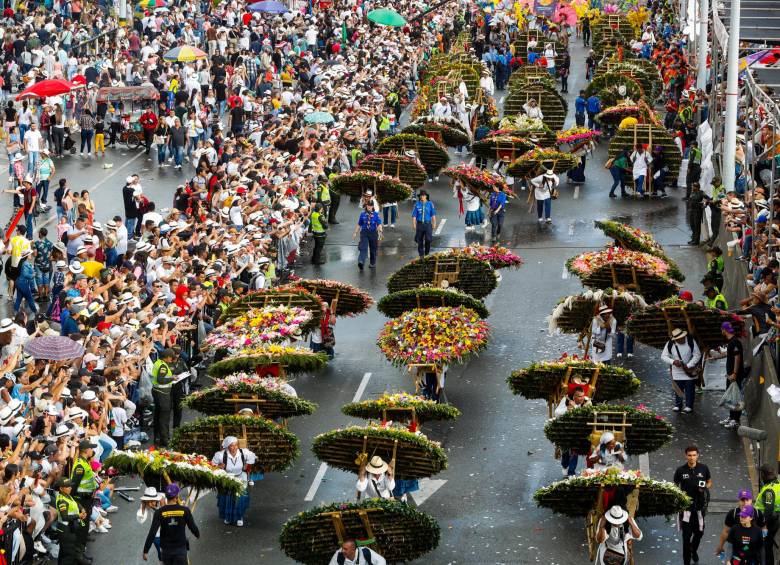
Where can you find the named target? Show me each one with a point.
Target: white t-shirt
(33, 140)
(119, 416)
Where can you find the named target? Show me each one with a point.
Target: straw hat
(616, 515)
(677, 333)
(376, 466)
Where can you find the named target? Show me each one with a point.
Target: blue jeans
(423, 237)
(689, 390)
(391, 211)
(29, 220)
(24, 291)
(369, 241)
(617, 180)
(569, 462)
(544, 208)
(22, 130)
(43, 190)
(191, 145)
(86, 140)
(625, 340)
(32, 160)
(42, 278)
(161, 154)
(579, 119)
(130, 225)
(497, 221)
(178, 155)
(639, 185)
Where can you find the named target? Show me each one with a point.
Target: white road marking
(644, 464)
(501, 101)
(565, 273)
(440, 226)
(316, 484)
(428, 488)
(576, 191)
(362, 388)
(53, 217)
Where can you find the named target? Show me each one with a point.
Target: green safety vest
(713, 302)
(316, 223)
(695, 156)
(384, 123)
(392, 99)
(88, 482)
(161, 380)
(355, 155)
(324, 194)
(767, 498)
(717, 264)
(73, 508)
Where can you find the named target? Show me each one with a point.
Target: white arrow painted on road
(440, 226)
(428, 488)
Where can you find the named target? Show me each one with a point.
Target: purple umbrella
(54, 348)
(269, 6)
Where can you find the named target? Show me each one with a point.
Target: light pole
(704, 15)
(732, 98)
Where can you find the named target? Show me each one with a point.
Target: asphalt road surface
(498, 455)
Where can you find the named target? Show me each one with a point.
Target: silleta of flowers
(386, 188)
(433, 335)
(351, 300)
(425, 410)
(577, 133)
(293, 359)
(522, 122)
(260, 325)
(634, 239)
(585, 263)
(191, 470)
(499, 257)
(478, 179)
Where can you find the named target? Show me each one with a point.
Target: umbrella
(184, 53)
(79, 80)
(319, 118)
(152, 3)
(269, 6)
(54, 348)
(386, 17)
(44, 88)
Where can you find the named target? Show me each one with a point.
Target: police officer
(423, 223)
(71, 518)
(318, 227)
(162, 378)
(715, 299)
(767, 502)
(172, 520)
(83, 479)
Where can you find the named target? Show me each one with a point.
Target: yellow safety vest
(161, 380)
(713, 302)
(88, 483)
(73, 509)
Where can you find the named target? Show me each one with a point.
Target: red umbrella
(44, 88)
(79, 80)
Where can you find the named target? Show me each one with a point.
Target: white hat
(10, 410)
(89, 358)
(677, 333)
(616, 515)
(74, 413)
(66, 393)
(76, 268)
(51, 410)
(376, 466)
(89, 395)
(6, 324)
(62, 430)
(606, 437)
(150, 493)
(549, 173)
(228, 441)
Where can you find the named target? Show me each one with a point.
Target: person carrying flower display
(236, 461)
(471, 203)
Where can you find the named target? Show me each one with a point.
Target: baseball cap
(745, 494)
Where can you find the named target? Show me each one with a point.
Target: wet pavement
(498, 455)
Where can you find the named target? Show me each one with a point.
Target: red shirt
(148, 120)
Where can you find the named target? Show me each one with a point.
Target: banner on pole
(545, 8)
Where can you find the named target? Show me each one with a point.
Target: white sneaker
(687, 410)
(619, 355)
(102, 512)
(629, 355)
(404, 498)
(81, 154)
(102, 530)
(564, 471)
(111, 509)
(227, 523)
(541, 220)
(676, 409)
(39, 547)
(92, 527)
(724, 421)
(732, 424)
(392, 226)
(240, 523)
(484, 222)
(436, 179)
(89, 154)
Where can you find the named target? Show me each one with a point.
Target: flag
(344, 32)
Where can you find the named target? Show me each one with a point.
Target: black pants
(564, 83)
(162, 416)
(86, 500)
(69, 550)
(174, 559)
(148, 136)
(691, 536)
(496, 222)
(769, 543)
(695, 222)
(319, 245)
(694, 174)
(586, 36)
(716, 215)
(113, 131)
(335, 200)
(423, 237)
(58, 140)
(177, 397)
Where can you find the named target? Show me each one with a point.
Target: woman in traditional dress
(235, 461)
(470, 203)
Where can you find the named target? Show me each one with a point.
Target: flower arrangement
(406, 169)
(279, 402)
(283, 296)
(476, 277)
(276, 447)
(542, 379)
(634, 239)
(425, 410)
(615, 114)
(577, 133)
(651, 325)
(158, 466)
(396, 303)
(478, 179)
(610, 79)
(638, 17)
(523, 123)
(648, 134)
(537, 160)
(416, 455)
(386, 188)
(402, 533)
(451, 136)
(433, 335)
(350, 300)
(449, 121)
(647, 432)
(293, 359)
(586, 263)
(433, 156)
(497, 256)
(260, 325)
(577, 496)
(575, 313)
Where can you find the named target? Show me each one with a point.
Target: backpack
(688, 338)
(341, 559)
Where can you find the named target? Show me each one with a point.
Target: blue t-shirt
(579, 105)
(369, 222)
(594, 104)
(423, 213)
(497, 199)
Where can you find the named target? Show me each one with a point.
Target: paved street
(498, 455)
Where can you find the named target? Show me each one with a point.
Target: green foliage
(302, 361)
(396, 303)
(543, 378)
(425, 410)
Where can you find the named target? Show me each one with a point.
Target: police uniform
(172, 520)
(69, 524)
(768, 502)
(162, 377)
(84, 486)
